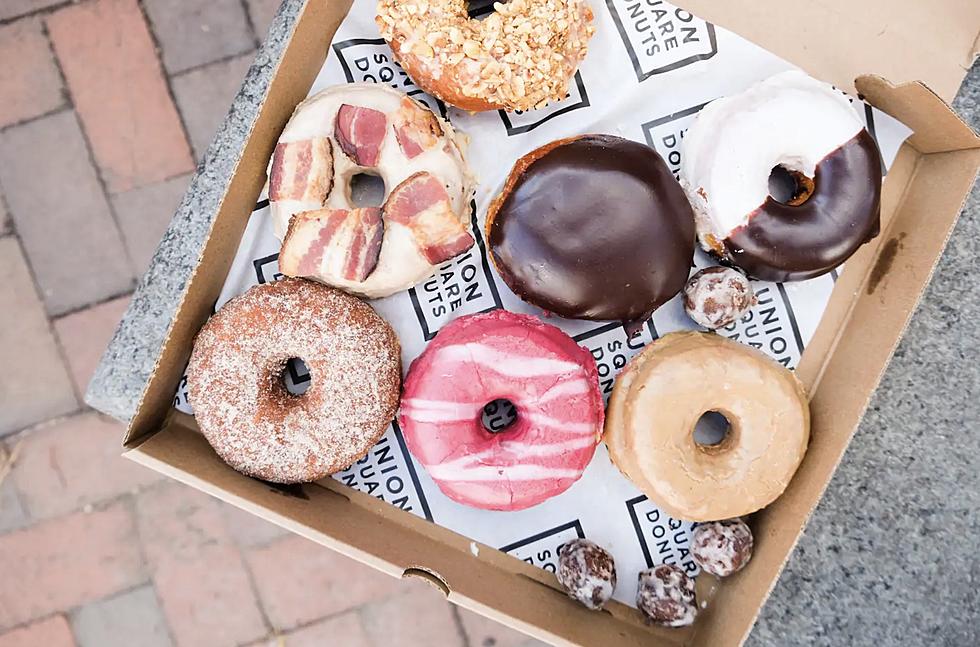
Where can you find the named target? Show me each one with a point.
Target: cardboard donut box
(904, 57)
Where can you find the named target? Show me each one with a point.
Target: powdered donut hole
(240, 400)
(722, 548)
(587, 572)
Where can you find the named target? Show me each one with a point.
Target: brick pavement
(102, 120)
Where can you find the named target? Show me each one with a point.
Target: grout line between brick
(250, 24)
(254, 587)
(167, 80)
(37, 12)
(59, 348)
(458, 619)
(92, 160)
(65, 107)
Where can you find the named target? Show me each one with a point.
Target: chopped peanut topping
(520, 57)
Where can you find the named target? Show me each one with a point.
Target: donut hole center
(366, 190)
(789, 187)
(498, 415)
(295, 377)
(712, 431)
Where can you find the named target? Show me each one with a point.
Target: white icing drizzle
(517, 366)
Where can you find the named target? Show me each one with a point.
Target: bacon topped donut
(371, 251)
(519, 57)
(809, 132)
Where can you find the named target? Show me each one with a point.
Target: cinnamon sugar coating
(240, 400)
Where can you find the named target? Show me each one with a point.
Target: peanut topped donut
(519, 57)
(240, 400)
(551, 381)
(806, 131)
(659, 398)
(371, 129)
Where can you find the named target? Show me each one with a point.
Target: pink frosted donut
(551, 381)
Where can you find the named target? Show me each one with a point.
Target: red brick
(74, 462)
(484, 632)
(343, 630)
(84, 336)
(250, 530)
(202, 583)
(108, 58)
(422, 615)
(300, 581)
(31, 86)
(67, 562)
(53, 632)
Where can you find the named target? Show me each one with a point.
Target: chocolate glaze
(793, 243)
(593, 227)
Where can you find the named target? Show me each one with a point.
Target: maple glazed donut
(551, 381)
(363, 128)
(663, 392)
(809, 130)
(519, 57)
(240, 400)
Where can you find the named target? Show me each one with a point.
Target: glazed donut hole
(366, 190)
(790, 187)
(714, 433)
(498, 415)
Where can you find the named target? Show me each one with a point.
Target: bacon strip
(421, 203)
(302, 171)
(333, 244)
(360, 132)
(416, 128)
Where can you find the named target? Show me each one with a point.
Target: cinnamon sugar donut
(519, 57)
(241, 402)
(659, 398)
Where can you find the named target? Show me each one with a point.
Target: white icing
(517, 366)
(400, 265)
(789, 119)
(564, 389)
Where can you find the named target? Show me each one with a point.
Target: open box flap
(840, 40)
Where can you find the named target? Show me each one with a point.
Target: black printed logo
(370, 60)
(267, 269)
(542, 549)
(666, 134)
(770, 325)
(663, 539)
(461, 286)
(387, 472)
(521, 121)
(660, 37)
(612, 349)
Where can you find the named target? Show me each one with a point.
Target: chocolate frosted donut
(592, 227)
(809, 131)
(240, 400)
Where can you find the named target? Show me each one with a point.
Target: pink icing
(552, 382)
